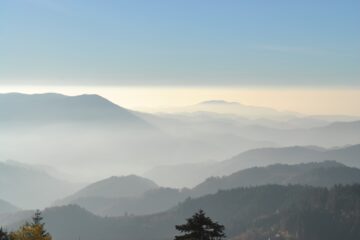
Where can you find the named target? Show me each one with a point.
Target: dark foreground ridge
(289, 212)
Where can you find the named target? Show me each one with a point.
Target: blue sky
(180, 42)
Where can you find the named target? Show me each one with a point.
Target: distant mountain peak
(219, 101)
(113, 187)
(240, 109)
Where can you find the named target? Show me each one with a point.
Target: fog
(58, 131)
(78, 150)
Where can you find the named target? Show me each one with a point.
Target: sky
(180, 42)
(286, 54)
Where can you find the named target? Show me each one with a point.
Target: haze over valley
(63, 138)
(64, 132)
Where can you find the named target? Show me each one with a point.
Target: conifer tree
(37, 218)
(37, 223)
(33, 231)
(200, 227)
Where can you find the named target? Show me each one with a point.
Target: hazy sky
(344, 101)
(180, 42)
(298, 55)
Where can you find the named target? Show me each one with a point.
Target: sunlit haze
(306, 100)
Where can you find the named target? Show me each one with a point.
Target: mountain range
(321, 174)
(113, 188)
(158, 199)
(266, 211)
(239, 109)
(67, 131)
(195, 173)
(93, 138)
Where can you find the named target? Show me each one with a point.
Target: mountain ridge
(320, 174)
(269, 210)
(54, 107)
(347, 155)
(112, 187)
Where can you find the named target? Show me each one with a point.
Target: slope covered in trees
(348, 155)
(290, 212)
(200, 226)
(322, 174)
(325, 174)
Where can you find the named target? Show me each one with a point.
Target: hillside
(152, 201)
(305, 212)
(348, 155)
(112, 188)
(324, 174)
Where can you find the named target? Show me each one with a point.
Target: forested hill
(257, 213)
(321, 174)
(293, 212)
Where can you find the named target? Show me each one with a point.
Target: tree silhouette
(3, 234)
(37, 223)
(200, 227)
(33, 231)
(37, 218)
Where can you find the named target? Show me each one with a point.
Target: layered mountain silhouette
(264, 211)
(150, 202)
(324, 174)
(236, 108)
(101, 196)
(70, 131)
(114, 187)
(348, 155)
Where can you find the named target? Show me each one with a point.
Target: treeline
(286, 212)
(254, 213)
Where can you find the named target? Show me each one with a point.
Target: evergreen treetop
(200, 227)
